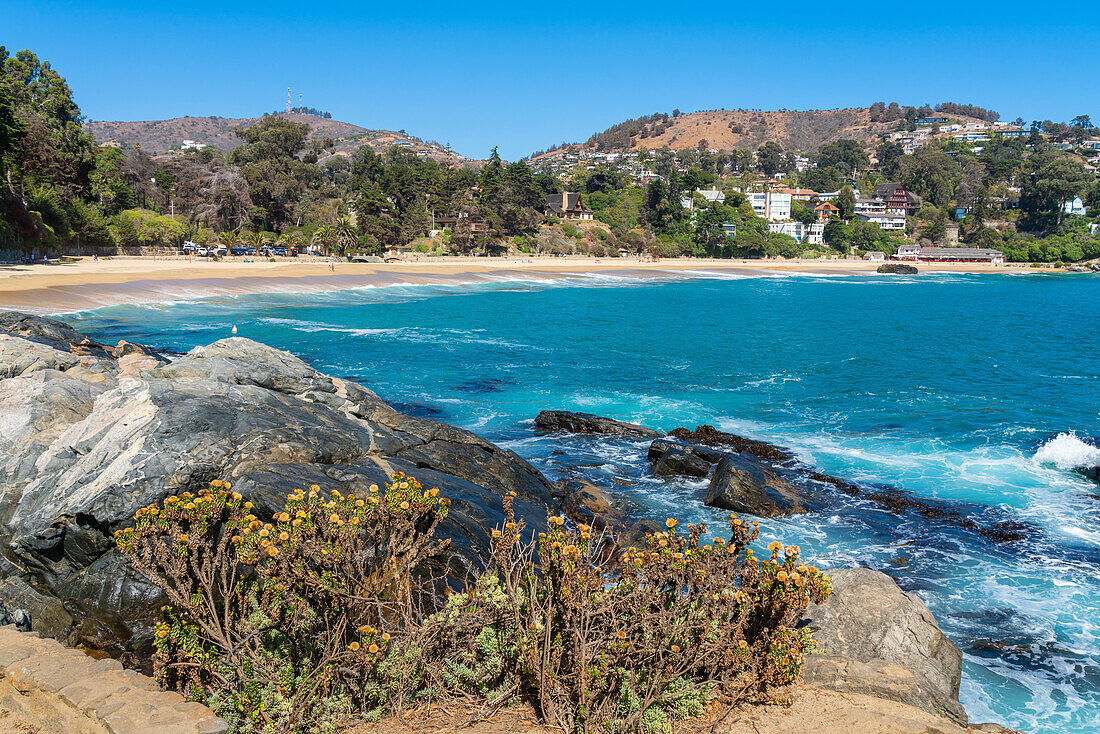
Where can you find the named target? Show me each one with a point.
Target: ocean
(980, 392)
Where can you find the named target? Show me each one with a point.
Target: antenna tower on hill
(288, 99)
(299, 101)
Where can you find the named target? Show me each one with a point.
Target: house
(931, 120)
(1076, 206)
(950, 254)
(874, 255)
(771, 205)
(568, 205)
(808, 234)
(799, 194)
(870, 206)
(192, 145)
(898, 200)
(887, 221)
(712, 196)
(825, 209)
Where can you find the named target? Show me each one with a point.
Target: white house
(1075, 207)
(773, 205)
(886, 221)
(807, 234)
(192, 145)
(712, 196)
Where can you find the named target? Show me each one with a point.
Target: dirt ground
(805, 711)
(10, 723)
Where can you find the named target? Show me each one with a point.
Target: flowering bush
(275, 624)
(324, 613)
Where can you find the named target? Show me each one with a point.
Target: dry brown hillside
(800, 130)
(158, 137)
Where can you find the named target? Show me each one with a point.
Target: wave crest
(1067, 451)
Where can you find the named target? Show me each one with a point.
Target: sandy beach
(84, 283)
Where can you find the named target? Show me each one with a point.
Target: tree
(344, 234)
(769, 158)
(889, 155)
(322, 237)
(1052, 179)
(844, 155)
(930, 173)
(846, 202)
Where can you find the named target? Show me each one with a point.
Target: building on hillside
(870, 207)
(874, 255)
(931, 120)
(950, 254)
(807, 234)
(898, 200)
(1076, 206)
(826, 209)
(832, 195)
(568, 205)
(799, 194)
(887, 221)
(771, 205)
(712, 196)
(192, 145)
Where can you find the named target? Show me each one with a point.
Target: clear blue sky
(525, 76)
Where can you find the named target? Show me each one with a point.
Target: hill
(804, 131)
(165, 137)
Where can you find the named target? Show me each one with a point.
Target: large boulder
(875, 639)
(897, 269)
(711, 436)
(85, 443)
(564, 420)
(743, 484)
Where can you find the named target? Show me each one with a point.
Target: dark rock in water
(484, 385)
(743, 484)
(842, 484)
(563, 420)
(900, 501)
(47, 614)
(875, 639)
(659, 447)
(90, 438)
(1089, 472)
(711, 436)
(897, 269)
(682, 462)
(584, 502)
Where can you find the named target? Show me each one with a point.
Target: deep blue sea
(976, 390)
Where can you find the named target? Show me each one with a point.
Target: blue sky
(525, 76)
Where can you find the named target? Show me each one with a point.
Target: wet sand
(88, 284)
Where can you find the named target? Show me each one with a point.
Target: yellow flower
(374, 489)
(353, 646)
(358, 503)
(264, 533)
(297, 522)
(248, 505)
(556, 521)
(366, 629)
(670, 523)
(314, 488)
(742, 644)
(496, 533)
(272, 551)
(372, 649)
(373, 500)
(284, 535)
(334, 518)
(235, 540)
(183, 537)
(802, 569)
(676, 648)
(621, 635)
(404, 505)
(774, 545)
(781, 577)
(385, 636)
(189, 506)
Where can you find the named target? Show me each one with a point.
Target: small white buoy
(234, 329)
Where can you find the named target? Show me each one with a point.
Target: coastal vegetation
(335, 610)
(282, 186)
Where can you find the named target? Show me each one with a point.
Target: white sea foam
(1067, 451)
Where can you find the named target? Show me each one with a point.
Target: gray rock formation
(743, 484)
(875, 639)
(682, 462)
(87, 437)
(897, 269)
(564, 420)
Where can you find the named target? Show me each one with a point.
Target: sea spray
(1067, 451)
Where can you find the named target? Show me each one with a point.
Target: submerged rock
(564, 420)
(88, 439)
(897, 269)
(743, 484)
(875, 639)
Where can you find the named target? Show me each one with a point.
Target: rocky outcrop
(875, 639)
(584, 502)
(743, 484)
(564, 420)
(897, 269)
(55, 689)
(711, 436)
(1089, 472)
(88, 437)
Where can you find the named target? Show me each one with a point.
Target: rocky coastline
(89, 433)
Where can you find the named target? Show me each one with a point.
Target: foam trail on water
(1067, 451)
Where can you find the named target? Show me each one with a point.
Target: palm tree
(322, 237)
(344, 233)
(227, 238)
(254, 239)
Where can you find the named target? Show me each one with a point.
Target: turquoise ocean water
(976, 390)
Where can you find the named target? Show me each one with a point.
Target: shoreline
(87, 284)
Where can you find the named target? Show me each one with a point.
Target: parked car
(189, 248)
(280, 251)
(203, 252)
(250, 250)
(238, 251)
